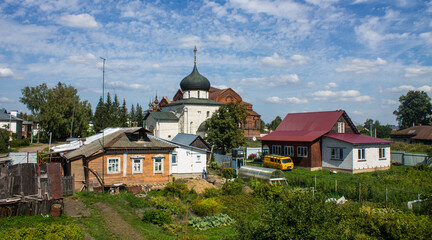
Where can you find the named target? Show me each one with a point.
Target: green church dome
(195, 81)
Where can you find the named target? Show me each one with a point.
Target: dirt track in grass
(115, 222)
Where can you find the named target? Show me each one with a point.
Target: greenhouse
(268, 174)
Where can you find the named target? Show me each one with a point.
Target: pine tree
(116, 121)
(123, 115)
(139, 115)
(98, 118)
(108, 111)
(132, 115)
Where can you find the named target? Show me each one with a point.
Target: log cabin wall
(125, 172)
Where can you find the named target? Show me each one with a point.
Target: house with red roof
(327, 140)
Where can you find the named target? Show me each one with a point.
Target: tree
(56, 108)
(98, 119)
(139, 117)
(110, 113)
(225, 127)
(123, 116)
(415, 108)
(370, 128)
(262, 126)
(274, 124)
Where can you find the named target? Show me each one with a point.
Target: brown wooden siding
(314, 152)
(348, 128)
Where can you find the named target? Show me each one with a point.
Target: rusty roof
(415, 132)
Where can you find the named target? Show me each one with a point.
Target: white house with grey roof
(10, 122)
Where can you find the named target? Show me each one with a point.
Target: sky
(283, 56)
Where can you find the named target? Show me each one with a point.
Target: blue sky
(281, 56)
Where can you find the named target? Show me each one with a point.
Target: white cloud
(85, 59)
(389, 102)
(425, 88)
(127, 86)
(331, 85)
(5, 100)
(356, 112)
(223, 39)
(417, 71)
(405, 88)
(6, 72)
(279, 61)
(359, 66)
(78, 21)
(345, 96)
(190, 41)
(279, 100)
(220, 86)
(271, 81)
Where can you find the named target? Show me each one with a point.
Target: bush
(254, 183)
(211, 192)
(252, 156)
(136, 202)
(269, 191)
(20, 142)
(232, 188)
(206, 207)
(41, 231)
(174, 206)
(215, 165)
(157, 216)
(176, 189)
(228, 173)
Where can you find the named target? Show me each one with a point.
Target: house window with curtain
(341, 127)
(137, 165)
(158, 165)
(113, 165)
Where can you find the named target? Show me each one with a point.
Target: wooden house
(126, 156)
(328, 140)
(415, 134)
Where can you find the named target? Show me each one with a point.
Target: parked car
(278, 162)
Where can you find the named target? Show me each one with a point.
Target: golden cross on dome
(195, 50)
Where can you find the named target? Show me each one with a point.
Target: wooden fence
(68, 185)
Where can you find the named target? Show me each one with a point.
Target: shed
(267, 174)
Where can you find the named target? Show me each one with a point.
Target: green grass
(412, 147)
(253, 144)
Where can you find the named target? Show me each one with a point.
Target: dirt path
(74, 207)
(114, 221)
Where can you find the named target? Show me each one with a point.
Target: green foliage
(4, 141)
(204, 223)
(157, 216)
(176, 189)
(173, 228)
(212, 192)
(254, 183)
(20, 142)
(232, 188)
(411, 147)
(274, 124)
(370, 128)
(41, 231)
(215, 165)
(228, 173)
(225, 127)
(269, 191)
(134, 201)
(55, 109)
(206, 207)
(415, 108)
(110, 114)
(174, 206)
(241, 206)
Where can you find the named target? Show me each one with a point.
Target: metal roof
(194, 101)
(4, 116)
(195, 81)
(184, 138)
(304, 127)
(124, 138)
(163, 116)
(356, 138)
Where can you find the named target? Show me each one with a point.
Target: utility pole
(103, 123)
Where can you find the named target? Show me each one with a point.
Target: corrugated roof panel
(356, 138)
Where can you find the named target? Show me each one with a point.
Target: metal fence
(23, 157)
(408, 159)
(358, 191)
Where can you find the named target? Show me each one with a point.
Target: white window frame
(302, 151)
(289, 151)
(174, 159)
(276, 149)
(140, 164)
(336, 154)
(361, 153)
(382, 153)
(155, 163)
(110, 165)
(341, 127)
